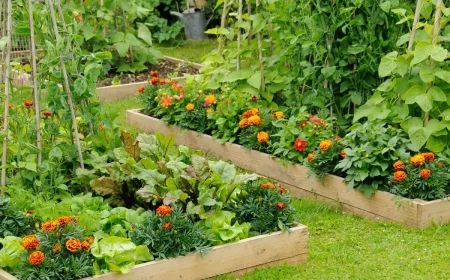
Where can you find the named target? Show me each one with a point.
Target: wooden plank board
(434, 212)
(382, 205)
(6, 276)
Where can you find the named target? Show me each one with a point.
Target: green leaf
(3, 42)
(446, 115)
(258, 22)
(122, 48)
(410, 123)
(218, 31)
(426, 73)
(421, 52)
(419, 136)
(426, 10)
(117, 37)
(328, 71)
(88, 31)
(412, 93)
(132, 40)
(355, 49)
(387, 64)
(80, 86)
(386, 6)
(436, 144)
(438, 94)
(444, 75)
(438, 53)
(425, 102)
(238, 75)
(255, 80)
(11, 251)
(144, 33)
(226, 171)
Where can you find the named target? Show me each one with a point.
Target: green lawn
(349, 247)
(189, 50)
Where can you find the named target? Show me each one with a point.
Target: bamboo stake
(250, 31)
(61, 15)
(67, 86)
(416, 20)
(260, 54)
(222, 25)
(7, 91)
(2, 19)
(130, 49)
(270, 27)
(35, 89)
(238, 62)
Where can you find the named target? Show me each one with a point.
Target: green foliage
(10, 252)
(118, 254)
(12, 221)
(220, 226)
(171, 235)
(323, 162)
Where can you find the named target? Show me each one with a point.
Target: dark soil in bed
(165, 68)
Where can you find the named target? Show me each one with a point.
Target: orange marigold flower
(263, 137)
(30, 242)
(73, 245)
(211, 99)
(56, 248)
(417, 160)
(90, 239)
(300, 145)
(267, 186)
(64, 220)
(28, 103)
(441, 164)
(428, 156)
(78, 18)
(311, 157)
(167, 226)
(343, 154)
(141, 89)
(36, 258)
(166, 101)
(399, 165)
(243, 123)
(155, 81)
(210, 111)
(154, 74)
(280, 205)
(316, 120)
(278, 115)
(425, 173)
(252, 112)
(338, 137)
(303, 124)
(190, 107)
(282, 189)
(50, 226)
(10, 106)
(86, 246)
(164, 81)
(47, 114)
(325, 145)
(102, 127)
(254, 120)
(399, 175)
(29, 212)
(164, 210)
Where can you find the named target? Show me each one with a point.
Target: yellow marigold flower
(428, 156)
(73, 245)
(263, 137)
(190, 107)
(252, 112)
(399, 165)
(49, 226)
(325, 145)
(278, 115)
(417, 160)
(254, 120)
(399, 176)
(211, 99)
(243, 123)
(311, 157)
(209, 111)
(30, 242)
(425, 173)
(36, 258)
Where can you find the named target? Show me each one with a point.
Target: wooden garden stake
(250, 31)
(260, 54)
(130, 49)
(7, 71)
(35, 87)
(238, 63)
(416, 20)
(67, 86)
(222, 25)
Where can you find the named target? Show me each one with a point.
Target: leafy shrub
(323, 161)
(170, 233)
(12, 221)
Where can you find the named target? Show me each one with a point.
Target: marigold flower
(78, 18)
(343, 154)
(141, 89)
(278, 115)
(325, 145)
(428, 156)
(209, 111)
(282, 189)
(155, 81)
(154, 74)
(190, 107)
(243, 123)
(303, 124)
(167, 226)
(28, 103)
(164, 81)
(73, 245)
(280, 205)
(263, 137)
(211, 99)
(56, 248)
(300, 145)
(316, 120)
(400, 175)
(267, 185)
(10, 106)
(399, 165)
(164, 210)
(254, 120)
(252, 112)
(102, 127)
(47, 114)
(90, 239)
(417, 160)
(29, 212)
(337, 137)
(50, 226)
(30, 242)
(166, 101)
(425, 173)
(36, 258)
(441, 164)
(311, 157)
(64, 220)
(86, 246)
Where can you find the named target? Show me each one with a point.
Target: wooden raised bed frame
(237, 258)
(382, 205)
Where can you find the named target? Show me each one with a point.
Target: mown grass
(189, 50)
(349, 247)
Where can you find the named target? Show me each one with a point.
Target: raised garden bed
(382, 205)
(237, 258)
